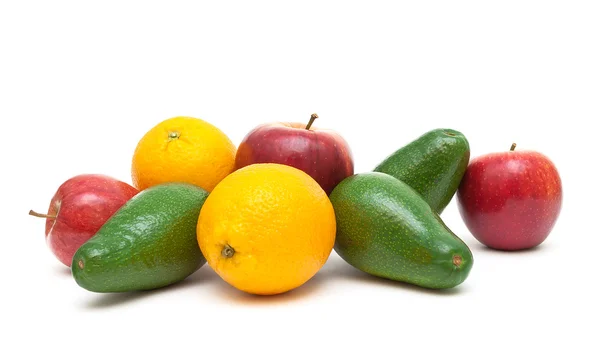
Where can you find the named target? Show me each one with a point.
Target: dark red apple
(510, 200)
(321, 153)
(80, 206)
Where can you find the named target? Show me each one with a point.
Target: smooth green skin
(386, 229)
(149, 243)
(432, 164)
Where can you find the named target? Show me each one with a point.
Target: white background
(81, 83)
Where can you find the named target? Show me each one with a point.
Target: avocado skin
(149, 243)
(386, 229)
(433, 165)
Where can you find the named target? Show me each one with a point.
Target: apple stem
(37, 214)
(513, 146)
(311, 121)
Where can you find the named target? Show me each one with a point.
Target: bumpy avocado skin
(386, 229)
(149, 243)
(432, 164)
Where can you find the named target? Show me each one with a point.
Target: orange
(267, 228)
(183, 149)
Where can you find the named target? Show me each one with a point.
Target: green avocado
(432, 164)
(386, 229)
(150, 242)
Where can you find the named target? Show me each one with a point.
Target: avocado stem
(457, 260)
(37, 214)
(227, 251)
(513, 146)
(311, 121)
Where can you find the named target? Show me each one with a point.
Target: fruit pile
(266, 215)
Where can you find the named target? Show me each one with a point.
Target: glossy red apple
(510, 200)
(321, 153)
(80, 206)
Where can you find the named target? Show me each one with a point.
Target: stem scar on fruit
(174, 135)
(513, 146)
(457, 260)
(311, 121)
(227, 251)
(80, 264)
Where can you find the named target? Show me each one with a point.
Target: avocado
(386, 229)
(433, 165)
(150, 242)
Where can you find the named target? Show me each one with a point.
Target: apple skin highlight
(510, 200)
(322, 153)
(79, 208)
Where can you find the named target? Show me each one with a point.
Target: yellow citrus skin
(267, 228)
(183, 149)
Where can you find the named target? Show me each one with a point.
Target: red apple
(80, 206)
(510, 200)
(321, 153)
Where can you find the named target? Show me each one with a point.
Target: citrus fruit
(183, 149)
(267, 228)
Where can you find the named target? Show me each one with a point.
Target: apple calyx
(311, 121)
(37, 214)
(513, 146)
(227, 251)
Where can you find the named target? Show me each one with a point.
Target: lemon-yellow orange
(183, 149)
(267, 228)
